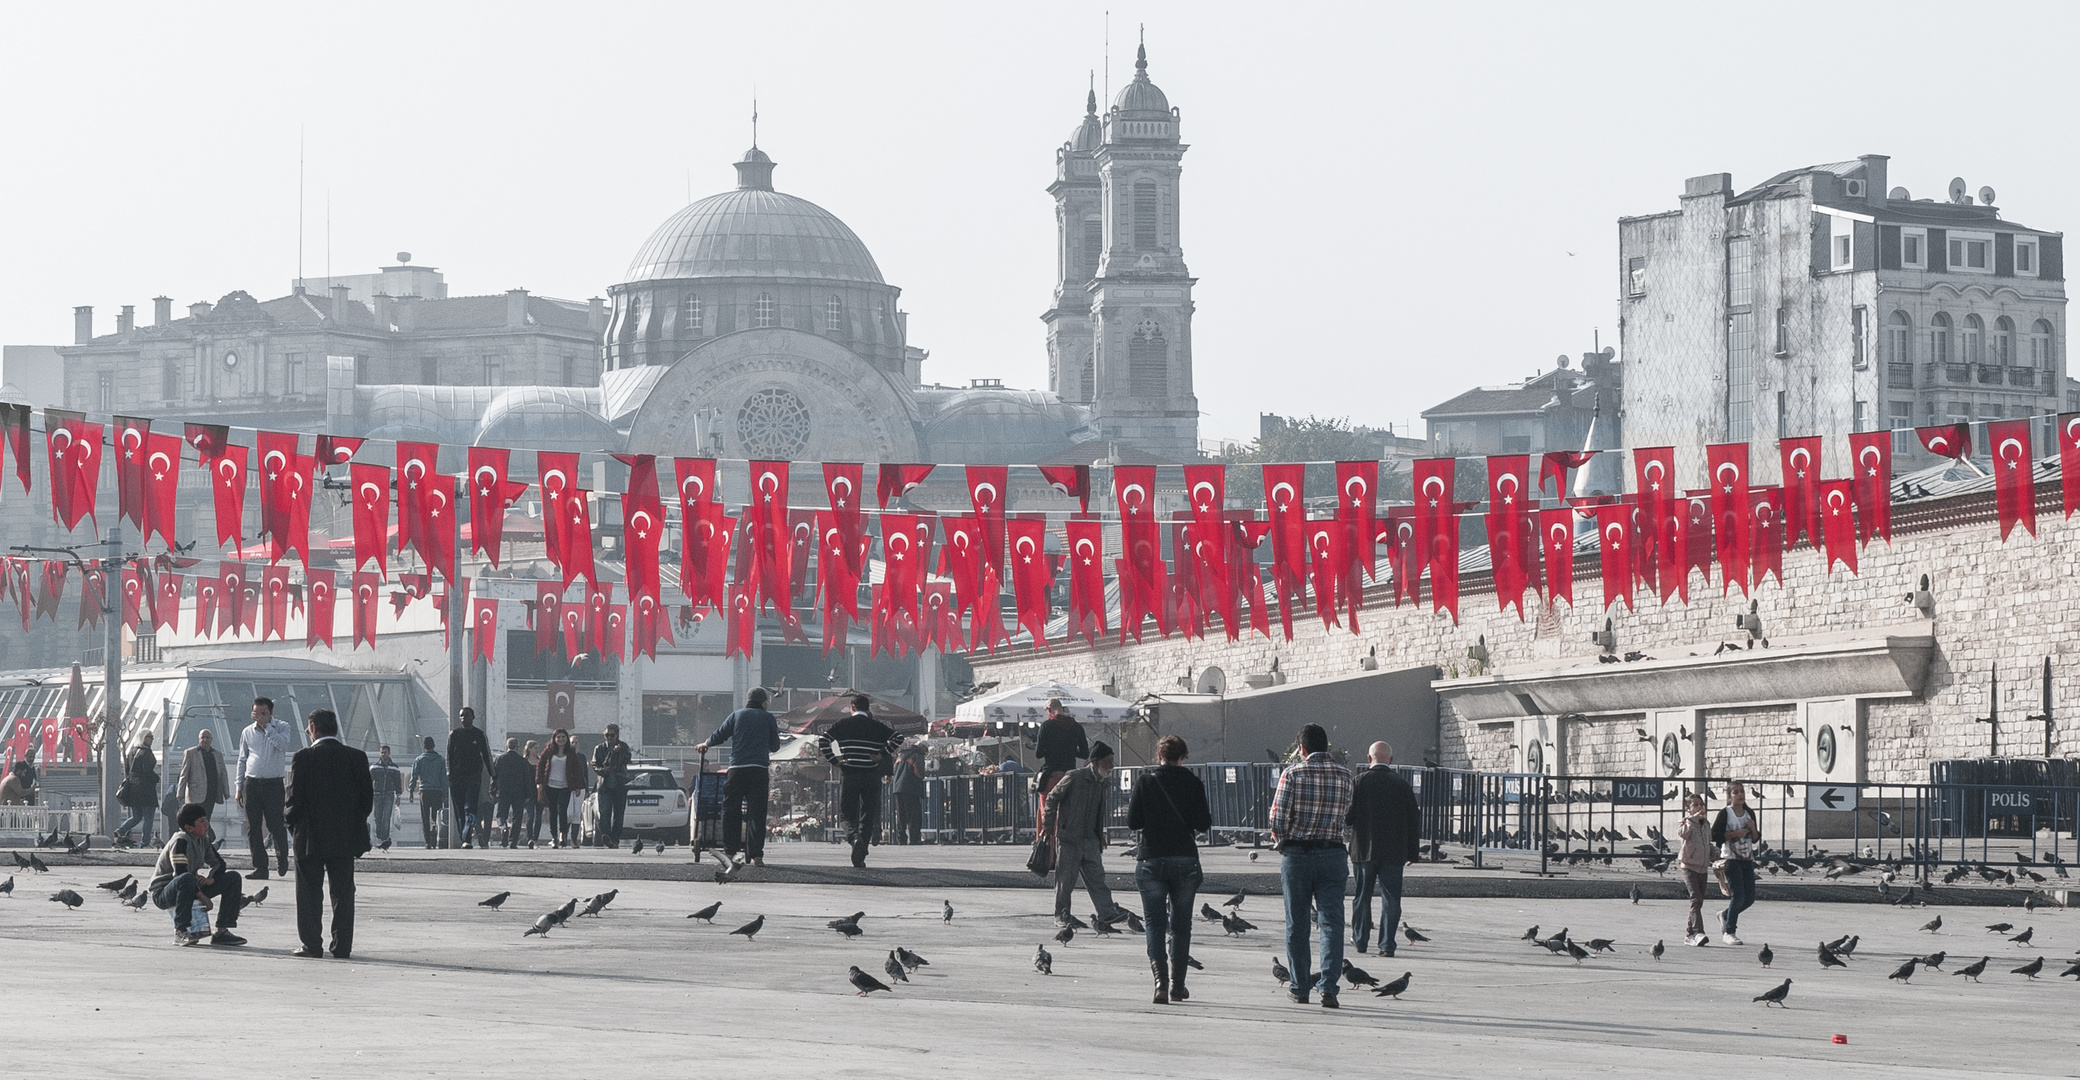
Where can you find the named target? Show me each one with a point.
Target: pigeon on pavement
(851, 920)
(1356, 976)
(68, 898)
(1043, 961)
(1065, 935)
(1999, 927)
(37, 865)
(1236, 925)
(260, 897)
(1412, 934)
(1766, 956)
(1602, 944)
(1934, 961)
(1905, 972)
(1075, 923)
(1234, 901)
(1635, 894)
(1933, 925)
(1394, 988)
(1279, 972)
(2074, 971)
(1657, 950)
(138, 904)
(1530, 935)
(2023, 937)
(1828, 958)
(2030, 969)
(1775, 995)
(116, 885)
(865, 983)
(1973, 970)
(894, 968)
(564, 913)
(495, 901)
(750, 930)
(707, 914)
(542, 926)
(7, 887)
(1580, 954)
(910, 959)
(948, 917)
(129, 891)
(1103, 928)
(1206, 910)
(850, 930)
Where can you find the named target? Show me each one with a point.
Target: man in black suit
(1386, 835)
(328, 796)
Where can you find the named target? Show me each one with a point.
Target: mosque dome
(754, 232)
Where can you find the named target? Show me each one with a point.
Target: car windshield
(651, 780)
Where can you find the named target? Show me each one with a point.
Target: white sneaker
(1729, 939)
(1697, 939)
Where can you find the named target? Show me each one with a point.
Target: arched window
(2004, 341)
(1939, 338)
(2040, 345)
(1147, 213)
(1899, 339)
(1148, 361)
(762, 311)
(692, 316)
(1974, 340)
(834, 314)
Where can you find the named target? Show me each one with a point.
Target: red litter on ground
(1841, 1040)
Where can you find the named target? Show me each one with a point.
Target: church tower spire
(1080, 245)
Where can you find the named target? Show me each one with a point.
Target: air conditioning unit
(1854, 188)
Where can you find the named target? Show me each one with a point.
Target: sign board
(1830, 797)
(1228, 774)
(2016, 801)
(1636, 792)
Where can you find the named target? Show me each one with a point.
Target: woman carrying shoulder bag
(1736, 832)
(1169, 809)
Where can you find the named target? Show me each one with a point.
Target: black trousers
(310, 903)
(745, 793)
(909, 819)
(430, 804)
(514, 811)
(179, 895)
(859, 805)
(264, 807)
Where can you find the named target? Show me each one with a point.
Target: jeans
(534, 820)
(1314, 885)
(139, 815)
(745, 792)
(311, 875)
(1383, 878)
(463, 791)
(859, 806)
(264, 806)
(1740, 885)
(1073, 861)
(613, 810)
(909, 819)
(179, 896)
(513, 811)
(430, 803)
(1694, 881)
(386, 804)
(559, 806)
(1168, 885)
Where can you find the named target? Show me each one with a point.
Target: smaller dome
(547, 418)
(1091, 132)
(1142, 96)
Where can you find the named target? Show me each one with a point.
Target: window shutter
(2003, 254)
(1823, 228)
(1866, 255)
(1938, 250)
(1888, 247)
(2051, 258)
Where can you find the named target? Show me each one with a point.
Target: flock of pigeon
(128, 890)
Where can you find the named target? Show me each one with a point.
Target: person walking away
(1169, 809)
(389, 784)
(469, 762)
(1694, 859)
(1059, 745)
(263, 757)
(754, 735)
(1736, 833)
(202, 781)
(191, 872)
(1076, 823)
(908, 784)
(328, 794)
(610, 761)
(430, 785)
(1386, 835)
(140, 792)
(862, 748)
(512, 784)
(533, 753)
(559, 771)
(1308, 816)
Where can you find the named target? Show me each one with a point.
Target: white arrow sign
(1830, 797)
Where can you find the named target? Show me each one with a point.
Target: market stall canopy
(816, 717)
(1028, 705)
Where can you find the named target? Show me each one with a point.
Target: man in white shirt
(263, 759)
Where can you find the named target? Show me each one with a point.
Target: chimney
(516, 307)
(126, 320)
(404, 312)
(1874, 189)
(162, 310)
(198, 309)
(339, 302)
(596, 318)
(382, 306)
(82, 325)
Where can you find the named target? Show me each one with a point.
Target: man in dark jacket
(140, 790)
(190, 871)
(908, 785)
(1386, 835)
(389, 786)
(512, 785)
(1076, 822)
(610, 761)
(754, 736)
(327, 795)
(1059, 745)
(469, 761)
(862, 748)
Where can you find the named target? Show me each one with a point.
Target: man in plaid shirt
(1308, 827)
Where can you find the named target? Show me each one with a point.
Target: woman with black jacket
(1169, 808)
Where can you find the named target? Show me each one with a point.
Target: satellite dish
(406, 256)
(1900, 194)
(1986, 195)
(1609, 352)
(1563, 361)
(1957, 194)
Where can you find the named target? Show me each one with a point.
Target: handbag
(1041, 861)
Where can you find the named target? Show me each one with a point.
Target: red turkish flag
(1087, 579)
(767, 515)
(302, 490)
(53, 590)
(1404, 560)
(986, 619)
(15, 419)
(1671, 537)
(1870, 453)
(1071, 480)
(743, 623)
(74, 448)
(648, 623)
(1556, 543)
(366, 587)
(227, 481)
(1186, 599)
(209, 440)
(1032, 576)
(318, 620)
(558, 476)
(1245, 581)
(577, 537)
(572, 620)
(490, 492)
(563, 705)
(837, 582)
(599, 603)
(942, 620)
(162, 488)
(249, 605)
(1327, 563)
(1554, 465)
(1838, 523)
(135, 597)
(548, 614)
(896, 481)
(801, 539)
(274, 610)
(2014, 475)
(1444, 570)
(231, 597)
(616, 632)
(92, 594)
(1766, 534)
(1508, 513)
(206, 618)
(1701, 535)
(1947, 440)
(166, 602)
(903, 566)
(131, 435)
(1614, 540)
(961, 558)
(1143, 584)
(841, 484)
(1731, 511)
(1433, 497)
(642, 525)
(277, 464)
(704, 555)
(371, 516)
(1801, 478)
(1207, 487)
(416, 465)
(1654, 472)
(2069, 459)
(986, 484)
(1285, 498)
(1357, 489)
(337, 450)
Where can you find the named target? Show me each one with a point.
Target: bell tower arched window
(1147, 216)
(1148, 361)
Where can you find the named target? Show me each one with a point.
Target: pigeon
(1279, 972)
(2023, 937)
(910, 959)
(1766, 956)
(707, 914)
(1193, 963)
(1847, 950)
(750, 930)
(849, 930)
(67, 897)
(1234, 901)
(637, 848)
(1999, 927)
(1602, 944)
(1236, 925)
(1828, 958)
(19, 862)
(1356, 976)
(7, 887)
(37, 865)
(1657, 950)
(1933, 925)
(1104, 928)
(851, 920)
(85, 842)
(1934, 960)
(542, 926)
(1775, 995)
(1530, 935)
(1410, 933)
(2030, 904)
(729, 872)
(1905, 972)
(1580, 954)
(1206, 912)
(1973, 970)
(143, 898)
(495, 901)
(1065, 935)
(599, 903)
(2074, 971)
(2030, 969)
(1075, 923)
(1555, 944)
(894, 968)
(1253, 858)
(1394, 988)
(1135, 924)
(1836, 944)
(129, 891)
(865, 983)
(948, 916)
(260, 897)
(117, 884)
(1043, 961)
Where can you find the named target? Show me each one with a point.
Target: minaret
(1079, 217)
(1141, 299)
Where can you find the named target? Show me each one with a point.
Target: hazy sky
(1384, 205)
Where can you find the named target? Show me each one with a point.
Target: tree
(1309, 439)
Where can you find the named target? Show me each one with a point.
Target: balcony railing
(1957, 373)
(1899, 376)
(2022, 377)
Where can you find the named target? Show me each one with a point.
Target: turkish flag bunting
(986, 494)
(1507, 516)
(1556, 543)
(896, 481)
(961, 558)
(597, 603)
(548, 614)
(135, 598)
(1087, 579)
(767, 515)
(1143, 583)
(1433, 499)
(1731, 512)
(371, 516)
(1404, 559)
(1766, 534)
(1838, 523)
(277, 464)
(1285, 498)
(1614, 540)
(617, 631)
(1071, 480)
(209, 440)
(648, 624)
(2069, 459)
(837, 580)
(1186, 600)
(18, 574)
(1327, 563)
(577, 537)
(1357, 489)
(572, 619)
(1244, 580)
(227, 481)
(642, 525)
(986, 619)
(93, 593)
(249, 604)
(231, 597)
(801, 539)
(1670, 549)
(302, 490)
(557, 475)
(53, 590)
(337, 450)
(1553, 468)
(704, 555)
(207, 589)
(942, 619)
(1871, 454)
(1207, 486)
(1801, 478)
(563, 705)
(1444, 571)
(274, 611)
(166, 601)
(434, 533)
(366, 585)
(1032, 576)
(1699, 536)
(1947, 440)
(416, 465)
(317, 621)
(841, 484)
(162, 488)
(1654, 487)
(743, 623)
(15, 418)
(131, 435)
(902, 565)
(2014, 475)
(74, 449)
(489, 495)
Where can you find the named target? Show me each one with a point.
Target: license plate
(641, 800)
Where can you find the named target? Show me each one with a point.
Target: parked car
(657, 808)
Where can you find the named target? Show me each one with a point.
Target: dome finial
(1090, 104)
(754, 119)
(1141, 54)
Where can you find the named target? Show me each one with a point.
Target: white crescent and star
(1282, 494)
